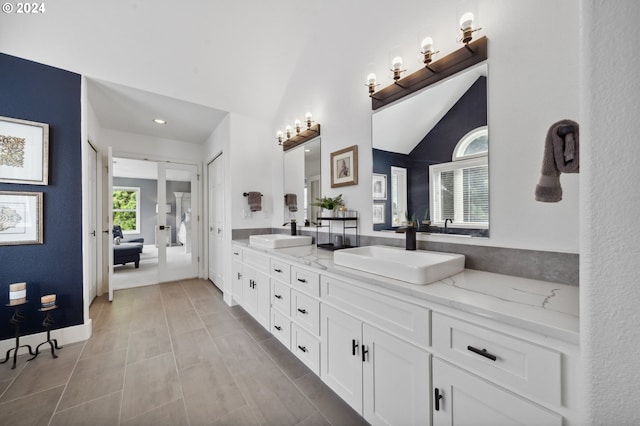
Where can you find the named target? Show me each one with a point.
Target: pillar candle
(48, 300)
(17, 291)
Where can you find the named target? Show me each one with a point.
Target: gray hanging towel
(291, 201)
(561, 155)
(255, 201)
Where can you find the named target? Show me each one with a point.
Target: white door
(177, 237)
(216, 221)
(396, 380)
(108, 219)
(465, 399)
(341, 356)
(93, 221)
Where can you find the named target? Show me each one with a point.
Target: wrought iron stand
(47, 323)
(16, 320)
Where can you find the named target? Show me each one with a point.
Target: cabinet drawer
(305, 311)
(280, 270)
(405, 320)
(257, 260)
(306, 347)
(306, 281)
(236, 253)
(281, 328)
(281, 296)
(519, 365)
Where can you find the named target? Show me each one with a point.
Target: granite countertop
(547, 308)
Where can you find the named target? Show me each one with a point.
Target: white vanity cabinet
(256, 293)
(384, 378)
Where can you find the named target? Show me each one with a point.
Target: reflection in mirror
(444, 125)
(302, 180)
(399, 210)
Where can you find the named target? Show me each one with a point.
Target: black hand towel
(255, 201)
(291, 201)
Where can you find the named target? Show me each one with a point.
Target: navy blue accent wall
(36, 92)
(436, 147)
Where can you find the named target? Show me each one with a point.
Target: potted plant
(328, 203)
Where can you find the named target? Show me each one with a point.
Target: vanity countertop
(547, 308)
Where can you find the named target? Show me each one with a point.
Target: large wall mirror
(431, 151)
(302, 179)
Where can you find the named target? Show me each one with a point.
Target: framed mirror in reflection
(433, 147)
(302, 182)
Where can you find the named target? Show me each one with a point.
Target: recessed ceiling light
(159, 121)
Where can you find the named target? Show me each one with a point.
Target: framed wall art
(378, 213)
(24, 151)
(379, 186)
(344, 167)
(20, 218)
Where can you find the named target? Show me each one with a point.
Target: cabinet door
(250, 291)
(341, 361)
(395, 380)
(465, 399)
(237, 286)
(263, 286)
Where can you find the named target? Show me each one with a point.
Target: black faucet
(445, 225)
(410, 236)
(292, 222)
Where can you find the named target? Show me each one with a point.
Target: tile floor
(170, 354)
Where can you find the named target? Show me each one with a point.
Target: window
(398, 195)
(126, 209)
(459, 190)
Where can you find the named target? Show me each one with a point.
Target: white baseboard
(65, 336)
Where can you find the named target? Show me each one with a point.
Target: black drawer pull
(236, 253)
(278, 270)
(438, 397)
(277, 327)
(302, 311)
(239, 275)
(354, 347)
(365, 351)
(482, 352)
(277, 296)
(303, 348)
(302, 280)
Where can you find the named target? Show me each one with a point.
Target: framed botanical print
(379, 186)
(20, 218)
(24, 151)
(344, 167)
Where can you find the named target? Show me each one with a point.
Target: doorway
(154, 217)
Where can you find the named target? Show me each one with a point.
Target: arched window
(473, 144)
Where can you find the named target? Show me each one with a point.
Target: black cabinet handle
(438, 396)
(239, 275)
(302, 280)
(277, 327)
(482, 352)
(277, 296)
(365, 351)
(278, 270)
(302, 348)
(236, 253)
(302, 311)
(354, 347)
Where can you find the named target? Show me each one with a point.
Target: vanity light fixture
(159, 121)
(396, 67)
(288, 130)
(427, 51)
(280, 137)
(307, 118)
(371, 84)
(297, 126)
(466, 26)
(288, 140)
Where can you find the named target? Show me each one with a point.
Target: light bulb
(396, 64)
(371, 79)
(466, 22)
(279, 135)
(427, 45)
(307, 116)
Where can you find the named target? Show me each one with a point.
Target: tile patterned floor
(170, 354)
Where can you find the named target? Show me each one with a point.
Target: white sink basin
(279, 240)
(416, 267)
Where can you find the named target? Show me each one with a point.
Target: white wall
(610, 201)
(533, 82)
